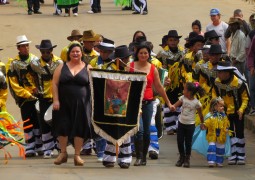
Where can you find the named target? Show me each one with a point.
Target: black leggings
(184, 138)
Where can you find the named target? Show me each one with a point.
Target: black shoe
(30, 12)
(40, 153)
(126, 8)
(86, 152)
(37, 12)
(124, 165)
(186, 163)
(108, 164)
(135, 12)
(153, 155)
(180, 161)
(28, 155)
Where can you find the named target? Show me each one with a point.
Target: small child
(217, 126)
(186, 125)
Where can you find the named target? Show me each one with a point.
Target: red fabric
(148, 93)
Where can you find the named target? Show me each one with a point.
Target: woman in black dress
(71, 103)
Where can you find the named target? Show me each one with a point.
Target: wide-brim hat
(197, 38)
(90, 36)
(74, 33)
(174, 34)
(215, 49)
(106, 44)
(211, 34)
(205, 47)
(233, 20)
(20, 40)
(191, 35)
(121, 52)
(139, 40)
(45, 44)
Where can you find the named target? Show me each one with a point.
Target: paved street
(119, 26)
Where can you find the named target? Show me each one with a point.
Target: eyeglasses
(46, 52)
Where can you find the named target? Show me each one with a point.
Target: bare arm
(55, 83)
(159, 88)
(178, 104)
(228, 46)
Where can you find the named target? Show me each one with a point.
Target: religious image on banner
(116, 97)
(116, 103)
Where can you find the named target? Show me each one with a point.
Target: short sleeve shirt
(189, 108)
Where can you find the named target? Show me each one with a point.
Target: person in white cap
(23, 89)
(220, 27)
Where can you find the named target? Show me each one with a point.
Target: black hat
(191, 35)
(174, 34)
(106, 44)
(45, 44)
(121, 52)
(195, 39)
(139, 40)
(215, 49)
(211, 34)
(164, 40)
(225, 66)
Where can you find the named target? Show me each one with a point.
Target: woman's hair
(198, 23)
(141, 46)
(71, 46)
(213, 103)
(195, 88)
(137, 33)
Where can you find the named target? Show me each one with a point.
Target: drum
(37, 107)
(48, 115)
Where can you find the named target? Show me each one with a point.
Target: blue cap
(214, 11)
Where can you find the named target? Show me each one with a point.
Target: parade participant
(186, 125)
(44, 69)
(164, 41)
(140, 7)
(122, 55)
(4, 2)
(67, 5)
(103, 61)
(217, 126)
(196, 27)
(220, 27)
(24, 91)
(141, 63)
(71, 104)
(88, 39)
(95, 6)
(170, 58)
(212, 37)
(230, 85)
(33, 6)
(75, 36)
(3, 86)
(238, 40)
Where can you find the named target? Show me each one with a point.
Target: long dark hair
(141, 46)
(137, 33)
(71, 46)
(195, 88)
(197, 23)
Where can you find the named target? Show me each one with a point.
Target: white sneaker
(75, 14)
(66, 15)
(90, 12)
(240, 162)
(48, 155)
(232, 162)
(100, 159)
(219, 165)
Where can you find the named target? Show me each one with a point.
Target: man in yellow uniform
(3, 87)
(24, 91)
(44, 69)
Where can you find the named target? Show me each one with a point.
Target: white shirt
(238, 46)
(220, 30)
(189, 108)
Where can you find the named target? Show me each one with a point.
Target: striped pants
(125, 154)
(215, 153)
(140, 5)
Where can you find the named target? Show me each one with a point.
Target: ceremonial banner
(116, 103)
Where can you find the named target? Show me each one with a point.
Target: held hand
(202, 126)
(56, 105)
(167, 81)
(240, 114)
(172, 108)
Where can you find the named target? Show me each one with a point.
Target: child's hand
(202, 126)
(172, 108)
